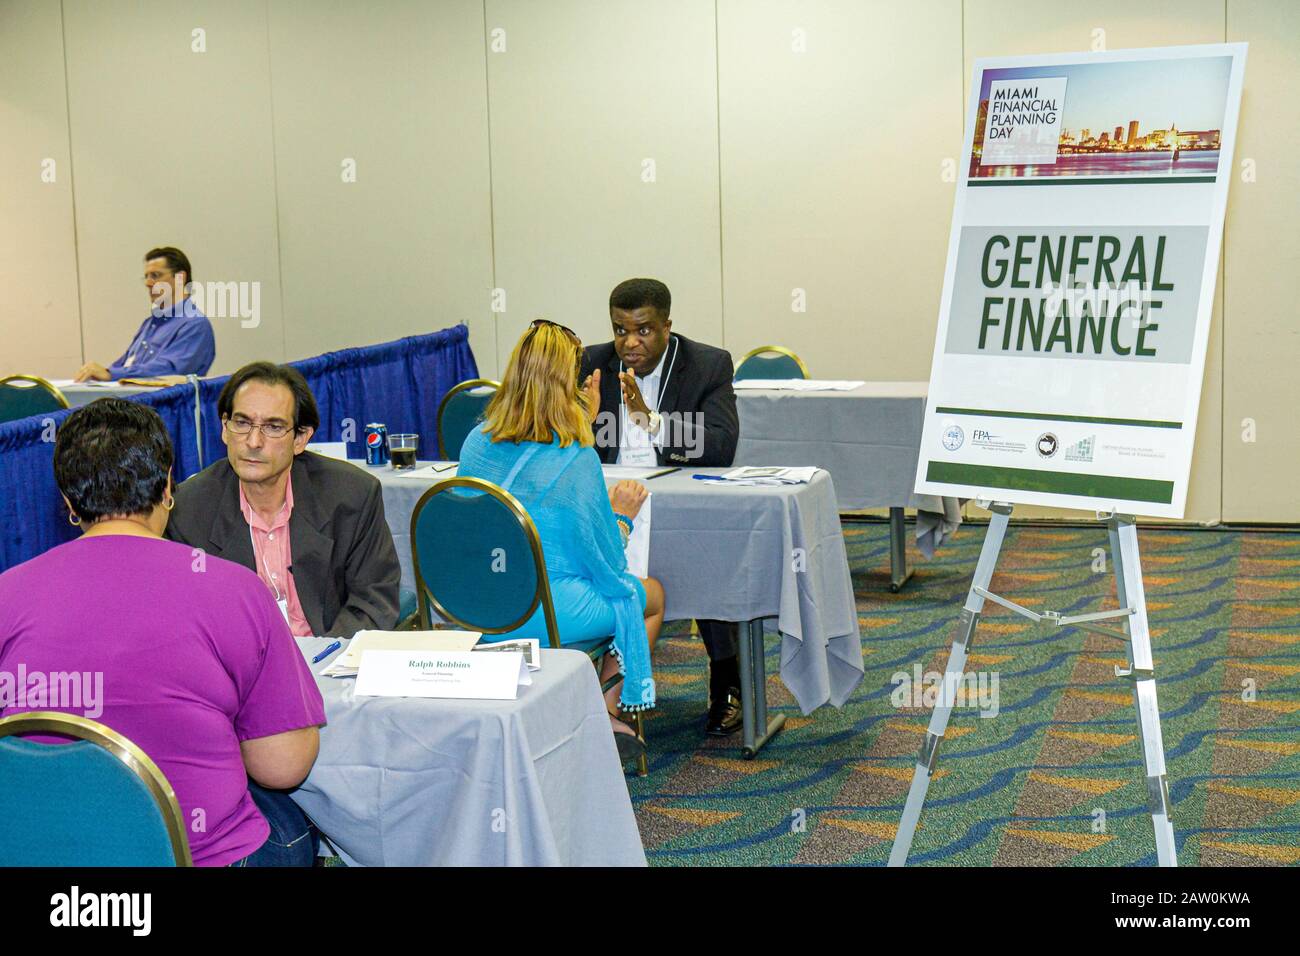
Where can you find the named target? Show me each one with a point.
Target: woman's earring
(74, 519)
(169, 502)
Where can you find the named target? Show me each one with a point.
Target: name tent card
(444, 674)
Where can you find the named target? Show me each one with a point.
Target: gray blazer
(344, 563)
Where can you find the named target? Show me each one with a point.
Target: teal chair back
(478, 559)
(460, 412)
(97, 802)
(771, 361)
(24, 395)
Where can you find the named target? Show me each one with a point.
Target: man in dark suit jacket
(665, 400)
(311, 527)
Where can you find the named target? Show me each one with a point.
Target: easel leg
(965, 633)
(1129, 589)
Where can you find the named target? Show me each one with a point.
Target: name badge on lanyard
(281, 600)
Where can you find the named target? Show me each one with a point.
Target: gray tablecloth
(735, 554)
(413, 782)
(869, 439)
(78, 395)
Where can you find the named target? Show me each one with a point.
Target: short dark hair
(177, 261)
(305, 413)
(112, 457)
(632, 294)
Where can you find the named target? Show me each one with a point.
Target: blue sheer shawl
(563, 490)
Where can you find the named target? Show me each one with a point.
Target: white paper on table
(530, 647)
(330, 449)
(637, 549)
(797, 384)
(439, 469)
(346, 664)
(634, 472)
(760, 475)
(67, 382)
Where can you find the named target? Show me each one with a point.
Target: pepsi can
(376, 444)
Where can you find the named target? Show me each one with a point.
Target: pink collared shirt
(273, 555)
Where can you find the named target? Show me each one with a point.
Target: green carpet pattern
(1055, 777)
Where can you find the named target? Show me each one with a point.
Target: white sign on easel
(1080, 279)
(1073, 328)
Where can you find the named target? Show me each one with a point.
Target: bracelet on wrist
(624, 520)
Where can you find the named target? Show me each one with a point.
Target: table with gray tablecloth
(735, 553)
(868, 438)
(534, 781)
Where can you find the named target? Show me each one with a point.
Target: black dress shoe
(630, 747)
(725, 717)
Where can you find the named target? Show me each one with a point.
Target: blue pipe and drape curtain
(398, 383)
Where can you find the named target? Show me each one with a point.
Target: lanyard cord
(663, 387)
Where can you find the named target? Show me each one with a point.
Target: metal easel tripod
(1135, 634)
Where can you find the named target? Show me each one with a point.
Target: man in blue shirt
(176, 339)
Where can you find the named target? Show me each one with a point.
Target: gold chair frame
(130, 755)
(780, 350)
(45, 384)
(464, 386)
(542, 594)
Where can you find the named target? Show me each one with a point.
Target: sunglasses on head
(538, 323)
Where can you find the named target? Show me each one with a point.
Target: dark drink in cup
(402, 449)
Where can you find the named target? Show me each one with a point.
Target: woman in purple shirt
(196, 664)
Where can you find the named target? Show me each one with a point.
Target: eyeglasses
(244, 426)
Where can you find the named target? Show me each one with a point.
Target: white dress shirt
(636, 446)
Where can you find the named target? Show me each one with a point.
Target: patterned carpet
(1055, 777)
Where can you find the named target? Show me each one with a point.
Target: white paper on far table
(330, 449)
(796, 384)
(66, 382)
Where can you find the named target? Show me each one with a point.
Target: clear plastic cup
(401, 451)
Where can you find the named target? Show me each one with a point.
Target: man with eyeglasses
(176, 338)
(312, 527)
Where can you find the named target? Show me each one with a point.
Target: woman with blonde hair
(536, 442)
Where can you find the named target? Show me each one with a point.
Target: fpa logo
(953, 437)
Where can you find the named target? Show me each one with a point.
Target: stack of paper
(770, 476)
(797, 384)
(347, 663)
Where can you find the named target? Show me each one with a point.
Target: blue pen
(708, 478)
(327, 652)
